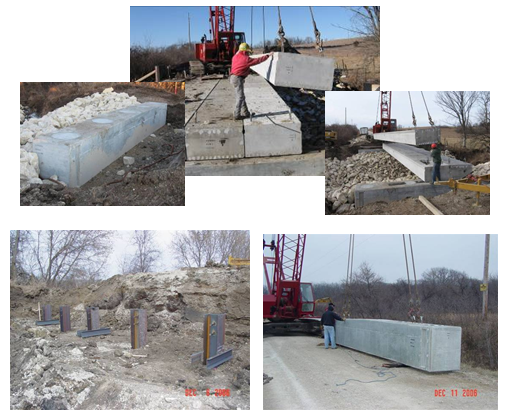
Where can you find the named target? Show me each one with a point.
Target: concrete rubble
(481, 169)
(22, 114)
(78, 110)
(296, 70)
(343, 175)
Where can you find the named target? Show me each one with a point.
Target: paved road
(306, 376)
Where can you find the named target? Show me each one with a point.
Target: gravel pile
(343, 175)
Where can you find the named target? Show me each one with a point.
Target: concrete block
(428, 347)
(299, 71)
(273, 129)
(210, 131)
(419, 162)
(309, 164)
(79, 152)
(422, 136)
(390, 192)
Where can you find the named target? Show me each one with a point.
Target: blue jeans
(329, 336)
(436, 172)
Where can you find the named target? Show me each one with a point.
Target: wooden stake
(430, 206)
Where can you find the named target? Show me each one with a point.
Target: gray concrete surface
(420, 136)
(306, 376)
(210, 131)
(389, 192)
(309, 164)
(428, 347)
(299, 71)
(273, 129)
(79, 152)
(419, 162)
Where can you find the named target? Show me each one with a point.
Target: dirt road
(306, 376)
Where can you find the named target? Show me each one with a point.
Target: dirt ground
(54, 370)
(162, 184)
(324, 379)
(460, 203)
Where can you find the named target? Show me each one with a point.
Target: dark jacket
(436, 154)
(329, 318)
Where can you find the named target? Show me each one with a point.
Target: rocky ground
(54, 370)
(343, 175)
(309, 107)
(153, 181)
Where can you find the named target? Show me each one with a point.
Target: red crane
(216, 53)
(386, 123)
(289, 304)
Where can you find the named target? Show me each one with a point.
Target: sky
(121, 245)
(362, 108)
(325, 259)
(163, 26)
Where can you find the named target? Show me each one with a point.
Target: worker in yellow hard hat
(241, 63)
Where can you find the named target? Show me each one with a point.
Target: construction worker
(241, 63)
(328, 319)
(436, 154)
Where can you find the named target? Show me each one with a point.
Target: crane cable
(414, 121)
(378, 107)
(411, 302)
(318, 40)
(263, 31)
(350, 263)
(281, 32)
(429, 116)
(417, 300)
(251, 27)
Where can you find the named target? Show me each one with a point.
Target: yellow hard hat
(245, 47)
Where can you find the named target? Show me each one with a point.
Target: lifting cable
(378, 107)
(263, 31)
(350, 263)
(429, 116)
(281, 32)
(318, 41)
(414, 121)
(251, 27)
(411, 302)
(417, 300)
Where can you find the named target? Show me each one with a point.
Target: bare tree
(59, 256)
(458, 105)
(146, 256)
(366, 22)
(484, 111)
(198, 248)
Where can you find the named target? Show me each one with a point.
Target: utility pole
(189, 40)
(484, 286)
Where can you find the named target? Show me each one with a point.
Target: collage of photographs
(242, 117)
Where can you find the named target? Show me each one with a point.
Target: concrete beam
(390, 192)
(210, 131)
(79, 152)
(299, 71)
(273, 129)
(310, 164)
(428, 347)
(419, 162)
(422, 136)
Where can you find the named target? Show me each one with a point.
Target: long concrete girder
(428, 347)
(419, 162)
(390, 192)
(79, 152)
(421, 136)
(212, 134)
(299, 71)
(210, 131)
(308, 164)
(273, 129)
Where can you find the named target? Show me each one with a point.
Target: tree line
(71, 258)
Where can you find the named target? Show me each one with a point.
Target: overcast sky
(163, 26)
(326, 256)
(362, 108)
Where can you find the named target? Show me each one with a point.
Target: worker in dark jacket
(328, 320)
(241, 63)
(436, 154)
